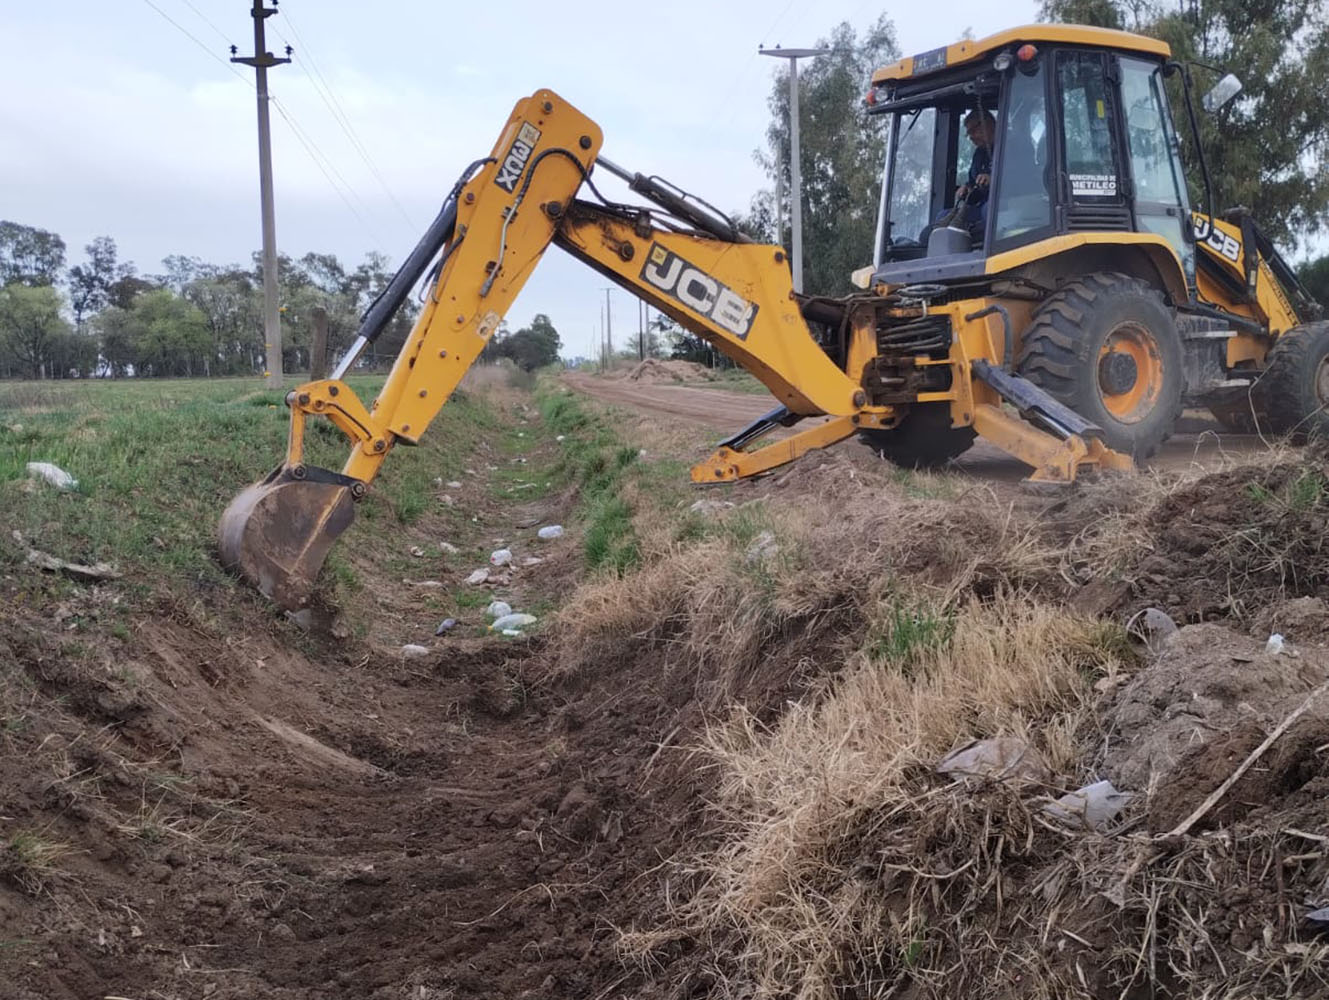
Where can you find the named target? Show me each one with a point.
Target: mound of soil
(1233, 543)
(654, 370)
(1188, 719)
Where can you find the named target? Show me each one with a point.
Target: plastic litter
(560, 437)
(512, 632)
(763, 546)
(517, 620)
(498, 609)
(454, 484)
(1003, 759)
(1154, 627)
(479, 576)
(53, 474)
(501, 557)
(1092, 807)
(532, 561)
(449, 548)
(445, 626)
(1320, 916)
(550, 532)
(710, 506)
(413, 652)
(417, 551)
(1275, 644)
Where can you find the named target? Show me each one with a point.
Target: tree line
(101, 318)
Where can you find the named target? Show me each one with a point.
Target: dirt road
(1202, 443)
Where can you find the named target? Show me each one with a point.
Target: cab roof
(947, 56)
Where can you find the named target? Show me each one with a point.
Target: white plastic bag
(498, 609)
(550, 532)
(501, 557)
(53, 474)
(513, 621)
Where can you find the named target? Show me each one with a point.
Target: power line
(334, 106)
(300, 135)
(320, 159)
(204, 18)
(185, 31)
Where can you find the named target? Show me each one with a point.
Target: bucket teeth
(277, 532)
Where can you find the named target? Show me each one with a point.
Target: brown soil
(245, 821)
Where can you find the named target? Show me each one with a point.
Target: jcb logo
(1217, 240)
(516, 158)
(697, 290)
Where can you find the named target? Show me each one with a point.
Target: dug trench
(711, 774)
(214, 803)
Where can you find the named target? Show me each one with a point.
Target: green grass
(158, 460)
(903, 632)
(596, 461)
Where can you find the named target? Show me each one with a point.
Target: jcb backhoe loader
(1066, 319)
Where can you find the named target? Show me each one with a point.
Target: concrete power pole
(795, 180)
(261, 60)
(609, 330)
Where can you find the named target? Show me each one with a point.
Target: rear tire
(924, 439)
(1107, 347)
(1296, 383)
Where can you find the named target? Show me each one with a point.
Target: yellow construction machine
(1065, 312)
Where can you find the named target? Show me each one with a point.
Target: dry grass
(847, 863)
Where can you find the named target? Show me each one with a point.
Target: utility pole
(795, 180)
(261, 60)
(641, 330)
(609, 329)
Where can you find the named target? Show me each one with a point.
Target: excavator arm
(491, 233)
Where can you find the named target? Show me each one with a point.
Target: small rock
(454, 484)
(478, 577)
(417, 551)
(283, 933)
(550, 532)
(447, 501)
(413, 652)
(501, 557)
(430, 584)
(449, 548)
(470, 472)
(532, 561)
(445, 626)
(304, 618)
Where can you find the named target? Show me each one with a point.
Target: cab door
(1157, 181)
(1094, 185)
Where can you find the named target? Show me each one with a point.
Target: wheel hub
(1130, 373)
(1117, 373)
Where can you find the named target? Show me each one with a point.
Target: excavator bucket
(277, 533)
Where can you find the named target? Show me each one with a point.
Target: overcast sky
(124, 118)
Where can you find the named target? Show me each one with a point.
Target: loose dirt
(222, 806)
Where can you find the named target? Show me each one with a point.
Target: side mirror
(1224, 90)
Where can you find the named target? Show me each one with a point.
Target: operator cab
(1084, 141)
